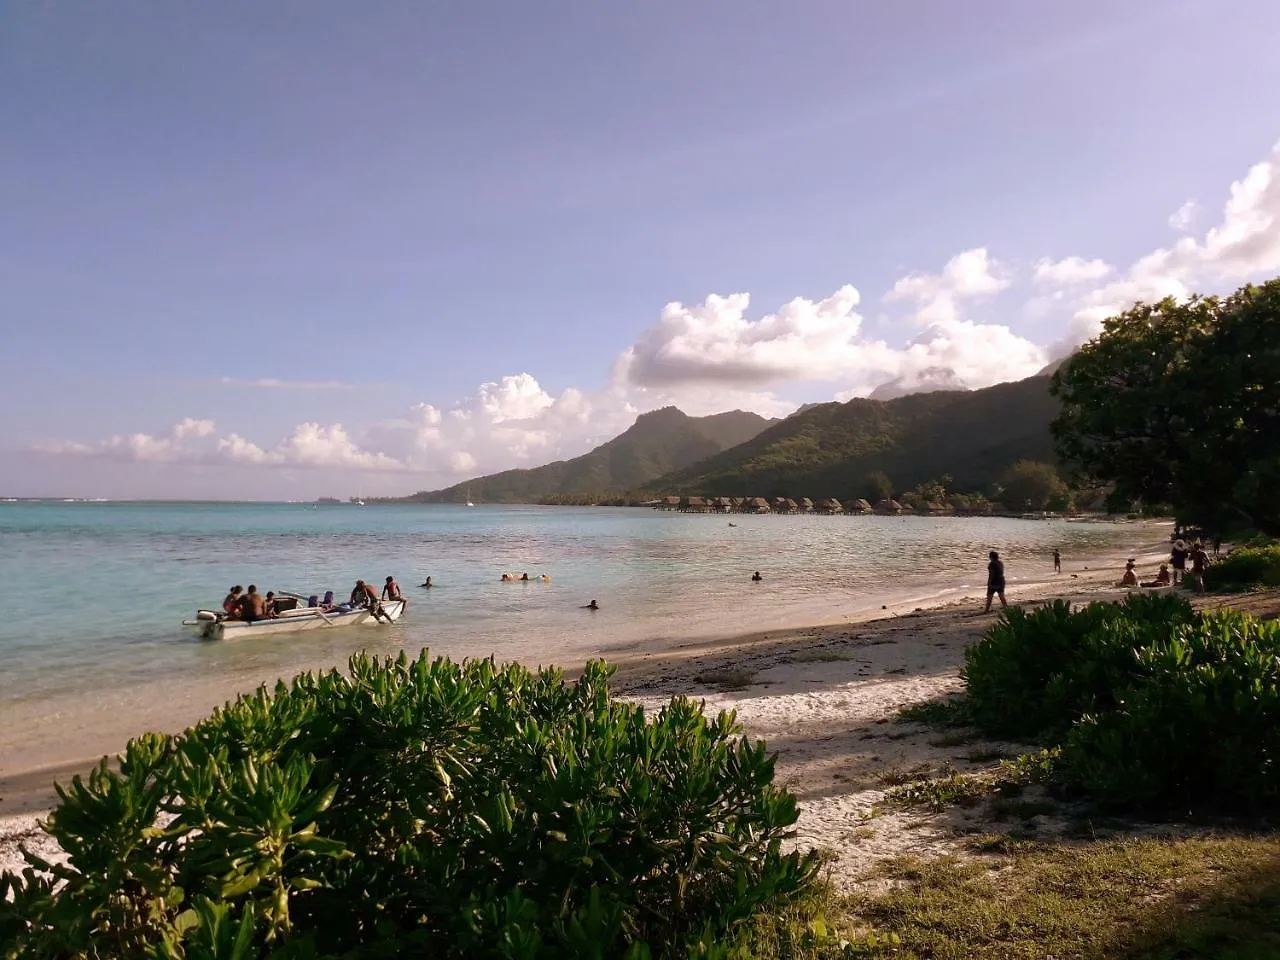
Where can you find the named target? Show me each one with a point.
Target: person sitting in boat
(269, 606)
(391, 591)
(327, 605)
(231, 603)
(252, 605)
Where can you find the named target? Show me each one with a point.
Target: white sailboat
(469, 503)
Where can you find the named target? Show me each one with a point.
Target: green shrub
(1033, 674)
(1197, 726)
(418, 808)
(1246, 567)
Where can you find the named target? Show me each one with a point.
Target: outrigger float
(292, 615)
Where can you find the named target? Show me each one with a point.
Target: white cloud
(1245, 245)
(192, 428)
(967, 275)
(1184, 218)
(1070, 271)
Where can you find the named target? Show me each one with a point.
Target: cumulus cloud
(1243, 246)
(1184, 218)
(967, 275)
(1070, 271)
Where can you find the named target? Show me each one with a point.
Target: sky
(314, 248)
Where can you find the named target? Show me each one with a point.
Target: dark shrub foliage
(418, 808)
(1034, 674)
(1244, 568)
(1196, 727)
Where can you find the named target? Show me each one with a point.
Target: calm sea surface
(96, 592)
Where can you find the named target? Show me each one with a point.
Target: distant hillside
(830, 449)
(657, 443)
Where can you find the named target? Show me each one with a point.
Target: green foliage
(1031, 485)
(418, 808)
(1197, 726)
(657, 443)
(1175, 403)
(876, 487)
(831, 449)
(1246, 567)
(1035, 673)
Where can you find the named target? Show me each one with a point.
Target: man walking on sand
(1057, 561)
(995, 580)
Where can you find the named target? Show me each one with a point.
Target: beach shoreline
(794, 685)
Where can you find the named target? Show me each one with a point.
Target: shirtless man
(365, 596)
(252, 605)
(995, 580)
(392, 592)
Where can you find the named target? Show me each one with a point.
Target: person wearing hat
(1178, 560)
(1130, 578)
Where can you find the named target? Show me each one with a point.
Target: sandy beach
(825, 698)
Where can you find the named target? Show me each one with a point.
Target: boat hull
(295, 621)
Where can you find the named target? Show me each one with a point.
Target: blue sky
(254, 217)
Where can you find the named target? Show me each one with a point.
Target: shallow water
(91, 642)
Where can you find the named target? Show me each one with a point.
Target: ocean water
(91, 646)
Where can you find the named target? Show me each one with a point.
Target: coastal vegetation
(656, 444)
(425, 808)
(1176, 403)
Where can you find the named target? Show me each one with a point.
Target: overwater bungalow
(695, 505)
(830, 505)
(804, 505)
(859, 506)
(756, 505)
(889, 508)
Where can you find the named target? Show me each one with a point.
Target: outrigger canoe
(209, 625)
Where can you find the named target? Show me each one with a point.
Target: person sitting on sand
(1162, 578)
(995, 580)
(231, 603)
(592, 606)
(756, 578)
(252, 606)
(1130, 578)
(427, 583)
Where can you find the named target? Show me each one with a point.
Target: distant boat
(469, 503)
(292, 618)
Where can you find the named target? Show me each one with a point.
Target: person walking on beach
(1057, 561)
(995, 580)
(1178, 560)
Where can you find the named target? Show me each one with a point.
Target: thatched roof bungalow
(695, 505)
(889, 507)
(858, 506)
(756, 505)
(830, 505)
(805, 505)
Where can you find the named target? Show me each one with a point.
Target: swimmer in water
(427, 583)
(592, 606)
(756, 577)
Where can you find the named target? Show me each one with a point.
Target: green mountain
(657, 443)
(830, 449)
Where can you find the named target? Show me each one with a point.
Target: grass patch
(944, 714)
(818, 656)
(726, 680)
(1135, 899)
(951, 790)
(900, 775)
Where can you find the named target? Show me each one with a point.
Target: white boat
(209, 625)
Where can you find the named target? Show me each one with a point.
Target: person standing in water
(995, 580)
(1057, 561)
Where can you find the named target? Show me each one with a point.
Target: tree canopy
(1179, 403)
(1031, 485)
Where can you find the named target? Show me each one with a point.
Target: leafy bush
(1034, 673)
(417, 808)
(1196, 727)
(1246, 567)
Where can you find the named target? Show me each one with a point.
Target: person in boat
(327, 605)
(231, 603)
(427, 583)
(365, 596)
(391, 591)
(592, 606)
(253, 606)
(756, 578)
(269, 606)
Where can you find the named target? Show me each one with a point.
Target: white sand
(824, 698)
